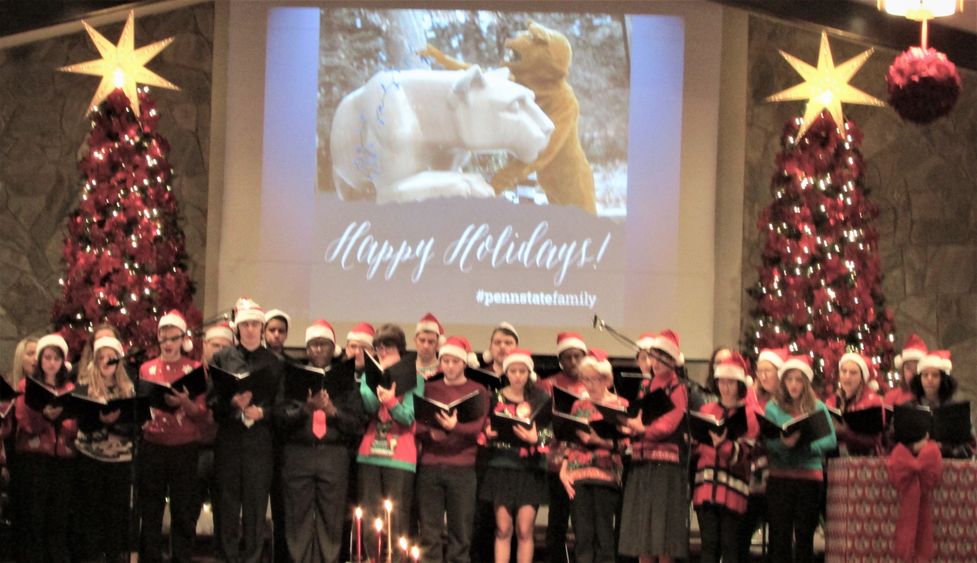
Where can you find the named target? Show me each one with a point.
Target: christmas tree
(124, 253)
(819, 288)
(820, 281)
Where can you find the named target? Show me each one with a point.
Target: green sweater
(801, 461)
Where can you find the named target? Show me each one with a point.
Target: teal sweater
(397, 434)
(802, 461)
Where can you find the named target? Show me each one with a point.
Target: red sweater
(659, 441)
(38, 435)
(173, 428)
(898, 396)
(722, 473)
(459, 446)
(595, 465)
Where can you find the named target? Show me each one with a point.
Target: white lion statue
(405, 136)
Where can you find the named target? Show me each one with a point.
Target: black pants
(441, 490)
(793, 506)
(278, 516)
(207, 488)
(314, 493)
(244, 472)
(377, 483)
(719, 530)
(168, 470)
(756, 515)
(105, 492)
(44, 485)
(593, 508)
(557, 523)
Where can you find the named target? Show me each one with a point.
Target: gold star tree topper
(122, 66)
(826, 87)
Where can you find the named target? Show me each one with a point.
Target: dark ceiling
(856, 18)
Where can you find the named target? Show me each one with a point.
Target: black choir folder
(469, 408)
(949, 423)
(7, 396)
(565, 427)
(227, 384)
(403, 373)
(812, 426)
(87, 409)
(504, 423)
(194, 382)
(488, 379)
(38, 395)
(700, 424)
(871, 420)
(301, 381)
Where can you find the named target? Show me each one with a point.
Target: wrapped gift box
(863, 508)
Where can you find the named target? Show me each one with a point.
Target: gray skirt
(655, 515)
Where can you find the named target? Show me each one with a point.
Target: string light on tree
(819, 287)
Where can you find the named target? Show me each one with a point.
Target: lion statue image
(406, 135)
(540, 60)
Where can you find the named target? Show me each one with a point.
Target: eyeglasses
(171, 339)
(317, 345)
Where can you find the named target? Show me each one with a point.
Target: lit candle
(405, 547)
(358, 513)
(415, 553)
(378, 524)
(388, 507)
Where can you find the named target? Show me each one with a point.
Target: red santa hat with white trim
(520, 356)
(732, 367)
(363, 334)
(939, 359)
(53, 340)
(109, 342)
(667, 341)
(246, 309)
(569, 340)
(459, 347)
(321, 328)
(278, 314)
(176, 319)
(800, 362)
(914, 350)
(219, 330)
(430, 323)
(860, 361)
(646, 341)
(776, 356)
(597, 359)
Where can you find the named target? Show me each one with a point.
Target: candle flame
(378, 524)
(388, 505)
(358, 513)
(415, 553)
(403, 543)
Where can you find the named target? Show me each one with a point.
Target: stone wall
(924, 178)
(42, 128)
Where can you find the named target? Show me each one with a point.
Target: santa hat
(646, 340)
(914, 350)
(667, 341)
(362, 333)
(597, 359)
(504, 325)
(800, 362)
(219, 330)
(859, 360)
(430, 323)
(175, 319)
(567, 340)
(939, 359)
(109, 342)
(776, 356)
(732, 367)
(459, 347)
(52, 340)
(322, 329)
(247, 310)
(278, 314)
(520, 356)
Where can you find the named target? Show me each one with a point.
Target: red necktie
(319, 424)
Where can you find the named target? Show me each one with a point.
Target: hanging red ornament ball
(923, 85)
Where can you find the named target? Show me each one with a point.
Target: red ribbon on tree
(915, 477)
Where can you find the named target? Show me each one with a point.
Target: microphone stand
(601, 326)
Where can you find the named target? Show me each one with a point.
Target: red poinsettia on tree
(125, 256)
(819, 287)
